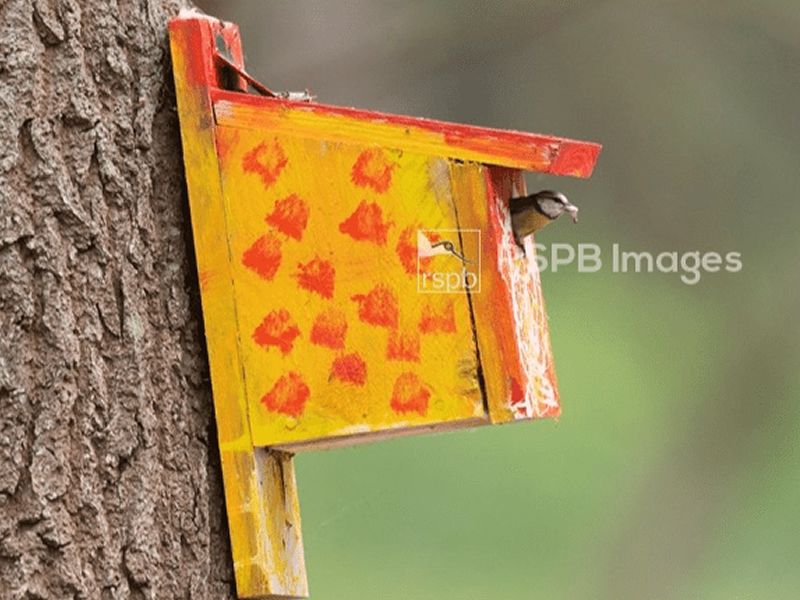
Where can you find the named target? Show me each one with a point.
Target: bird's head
(554, 204)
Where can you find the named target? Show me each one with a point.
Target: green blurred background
(674, 471)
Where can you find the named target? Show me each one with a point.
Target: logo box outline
(477, 271)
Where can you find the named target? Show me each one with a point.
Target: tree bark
(109, 476)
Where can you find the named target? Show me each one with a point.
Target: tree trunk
(109, 476)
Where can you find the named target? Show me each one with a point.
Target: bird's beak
(573, 212)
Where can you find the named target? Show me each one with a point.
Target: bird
(532, 212)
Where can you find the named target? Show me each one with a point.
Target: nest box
(359, 279)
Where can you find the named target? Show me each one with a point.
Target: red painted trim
(199, 38)
(575, 158)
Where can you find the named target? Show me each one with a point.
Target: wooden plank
(336, 339)
(511, 324)
(261, 499)
(532, 152)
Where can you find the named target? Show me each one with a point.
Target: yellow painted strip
(250, 495)
(469, 187)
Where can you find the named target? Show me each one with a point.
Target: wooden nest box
(359, 280)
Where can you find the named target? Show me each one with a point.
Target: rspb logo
(448, 261)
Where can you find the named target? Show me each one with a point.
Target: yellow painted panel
(335, 338)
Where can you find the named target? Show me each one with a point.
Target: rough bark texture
(109, 477)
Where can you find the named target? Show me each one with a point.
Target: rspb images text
(590, 258)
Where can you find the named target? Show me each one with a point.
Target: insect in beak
(573, 212)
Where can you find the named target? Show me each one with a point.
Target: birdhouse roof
(506, 148)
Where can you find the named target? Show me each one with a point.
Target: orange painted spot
(329, 329)
(205, 279)
(372, 169)
(317, 276)
(277, 329)
(403, 346)
(290, 216)
(366, 224)
(406, 249)
(266, 160)
(438, 319)
(378, 307)
(264, 256)
(350, 368)
(410, 394)
(288, 395)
